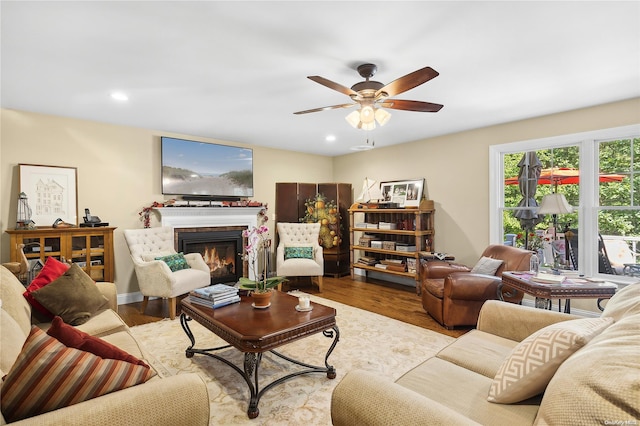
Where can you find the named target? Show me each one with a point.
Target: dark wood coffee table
(577, 288)
(255, 331)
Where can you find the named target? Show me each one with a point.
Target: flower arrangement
(535, 242)
(258, 248)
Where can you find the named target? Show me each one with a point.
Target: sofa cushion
(625, 302)
(599, 384)
(148, 257)
(11, 340)
(486, 266)
(73, 296)
(466, 393)
(480, 352)
(77, 339)
(48, 376)
(534, 361)
(52, 269)
(175, 262)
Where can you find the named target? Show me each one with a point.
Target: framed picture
(407, 193)
(52, 193)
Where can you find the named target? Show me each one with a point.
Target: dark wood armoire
(290, 207)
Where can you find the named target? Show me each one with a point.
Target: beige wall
(119, 169)
(119, 172)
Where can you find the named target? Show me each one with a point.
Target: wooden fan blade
(326, 108)
(411, 105)
(333, 85)
(409, 81)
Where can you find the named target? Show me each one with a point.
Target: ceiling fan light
(368, 126)
(382, 116)
(367, 115)
(353, 118)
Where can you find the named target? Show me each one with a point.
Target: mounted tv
(206, 170)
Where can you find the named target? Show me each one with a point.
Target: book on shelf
(212, 304)
(387, 225)
(411, 265)
(392, 261)
(396, 268)
(372, 225)
(405, 247)
(366, 260)
(381, 266)
(361, 224)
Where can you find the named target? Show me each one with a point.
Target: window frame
(588, 143)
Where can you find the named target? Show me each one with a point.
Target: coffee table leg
(251, 367)
(184, 322)
(335, 333)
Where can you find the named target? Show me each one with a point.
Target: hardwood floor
(384, 298)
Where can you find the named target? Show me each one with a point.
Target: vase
(261, 300)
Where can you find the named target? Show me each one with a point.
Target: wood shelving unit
(415, 227)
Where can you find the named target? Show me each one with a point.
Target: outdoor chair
(299, 254)
(155, 277)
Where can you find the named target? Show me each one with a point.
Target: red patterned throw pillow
(78, 339)
(48, 375)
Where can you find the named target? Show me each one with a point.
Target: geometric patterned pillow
(175, 262)
(298, 252)
(47, 375)
(533, 362)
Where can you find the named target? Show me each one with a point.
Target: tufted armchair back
(155, 278)
(156, 241)
(299, 233)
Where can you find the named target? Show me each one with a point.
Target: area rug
(368, 341)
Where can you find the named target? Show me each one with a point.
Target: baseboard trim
(126, 298)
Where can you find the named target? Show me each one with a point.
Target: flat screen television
(206, 170)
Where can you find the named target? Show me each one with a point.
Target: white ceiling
(236, 71)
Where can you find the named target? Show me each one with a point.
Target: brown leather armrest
(441, 268)
(465, 286)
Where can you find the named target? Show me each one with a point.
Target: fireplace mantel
(188, 217)
(201, 217)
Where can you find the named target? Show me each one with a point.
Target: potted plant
(258, 248)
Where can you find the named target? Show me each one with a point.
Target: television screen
(204, 169)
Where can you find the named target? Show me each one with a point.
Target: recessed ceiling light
(330, 138)
(119, 96)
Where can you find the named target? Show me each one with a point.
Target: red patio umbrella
(564, 176)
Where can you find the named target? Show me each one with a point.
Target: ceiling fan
(372, 96)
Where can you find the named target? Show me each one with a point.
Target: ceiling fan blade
(326, 108)
(409, 81)
(333, 85)
(411, 105)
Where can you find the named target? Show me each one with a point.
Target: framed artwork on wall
(407, 193)
(52, 193)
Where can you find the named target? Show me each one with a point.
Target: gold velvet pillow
(73, 296)
(532, 364)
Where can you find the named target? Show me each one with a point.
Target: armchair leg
(145, 302)
(172, 307)
(319, 280)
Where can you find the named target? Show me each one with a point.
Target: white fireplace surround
(211, 217)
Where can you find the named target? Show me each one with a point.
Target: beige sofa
(181, 399)
(598, 384)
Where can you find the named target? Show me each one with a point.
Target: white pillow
(532, 363)
(486, 266)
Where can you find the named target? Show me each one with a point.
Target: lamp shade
(554, 204)
(382, 116)
(353, 118)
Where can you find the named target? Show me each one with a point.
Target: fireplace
(221, 248)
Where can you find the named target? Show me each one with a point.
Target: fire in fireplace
(221, 248)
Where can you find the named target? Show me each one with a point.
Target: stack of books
(215, 296)
(387, 225)
(396, 265)
(367, 260)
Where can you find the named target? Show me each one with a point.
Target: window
(606, 202)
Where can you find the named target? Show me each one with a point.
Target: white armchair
(299, 253)
(155, 278)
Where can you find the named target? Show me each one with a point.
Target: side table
(570, 289)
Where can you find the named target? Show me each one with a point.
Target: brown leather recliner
(453, 296)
